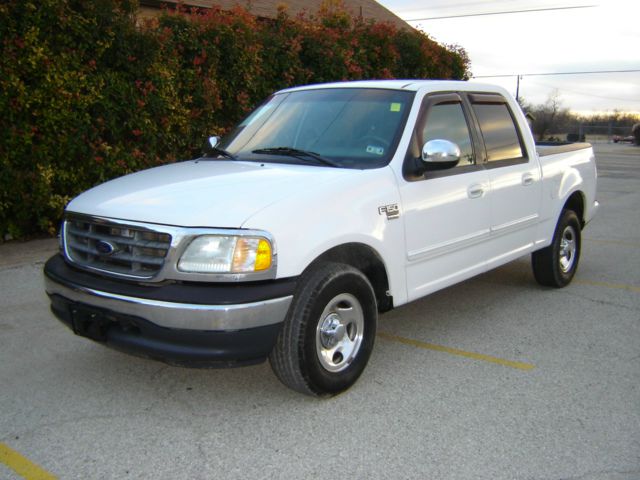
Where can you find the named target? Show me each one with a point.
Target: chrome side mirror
(210, 145)
(214, 141)
(440, 152)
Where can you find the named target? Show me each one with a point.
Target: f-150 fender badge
(392, 211)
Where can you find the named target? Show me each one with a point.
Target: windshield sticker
(375, 150)
(395, 107)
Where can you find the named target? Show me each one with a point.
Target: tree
(549, 116)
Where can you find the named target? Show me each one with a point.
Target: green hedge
(88, 92)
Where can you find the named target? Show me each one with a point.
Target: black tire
(333, 303)
(555, 265)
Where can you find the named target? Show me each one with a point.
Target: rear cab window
(502, 141)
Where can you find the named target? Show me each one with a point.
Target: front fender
(343, 211)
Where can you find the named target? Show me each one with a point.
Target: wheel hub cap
(568, 247)
(332, 331)
(339, 332)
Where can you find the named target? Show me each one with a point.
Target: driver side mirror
(440, 154)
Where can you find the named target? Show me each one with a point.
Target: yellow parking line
(22, 465)
(455, 351)
(617, 286)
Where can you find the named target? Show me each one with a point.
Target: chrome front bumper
(178, 315)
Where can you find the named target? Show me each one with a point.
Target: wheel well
(576, 203)
(367, 260)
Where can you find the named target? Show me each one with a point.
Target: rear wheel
(555, 265)
(329, 331)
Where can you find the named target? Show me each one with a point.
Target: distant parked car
(621, 139)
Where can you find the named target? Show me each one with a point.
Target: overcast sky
(605, 36)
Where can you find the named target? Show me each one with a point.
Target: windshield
(349, 127)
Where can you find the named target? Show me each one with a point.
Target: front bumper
(184, 324)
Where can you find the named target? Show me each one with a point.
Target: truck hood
(201, 193)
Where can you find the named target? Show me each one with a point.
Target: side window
(498, 131)
(447, 122)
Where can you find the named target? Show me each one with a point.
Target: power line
(576, 92)
(555, 73)
(499, 13)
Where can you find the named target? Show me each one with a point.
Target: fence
(592, 133)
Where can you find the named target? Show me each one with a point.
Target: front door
(446, 212)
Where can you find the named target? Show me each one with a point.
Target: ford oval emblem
(104, 248)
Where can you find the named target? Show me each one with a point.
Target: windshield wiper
(297, 153)
(220, 152)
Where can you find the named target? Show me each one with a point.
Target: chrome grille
(115, 248)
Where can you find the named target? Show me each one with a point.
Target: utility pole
(518, 77)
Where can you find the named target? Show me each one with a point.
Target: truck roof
(406, 84)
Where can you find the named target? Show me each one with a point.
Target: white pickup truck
(325, 206)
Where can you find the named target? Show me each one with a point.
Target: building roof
(368, 9)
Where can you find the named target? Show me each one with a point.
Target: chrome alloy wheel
(568, 247)
(339, 332)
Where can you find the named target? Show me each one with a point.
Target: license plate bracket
(89, 322)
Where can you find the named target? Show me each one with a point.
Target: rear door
(515, 180)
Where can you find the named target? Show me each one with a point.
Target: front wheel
(329, 331)
(555, 265)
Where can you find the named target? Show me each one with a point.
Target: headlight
(226, 254)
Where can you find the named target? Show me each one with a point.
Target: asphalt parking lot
(495, 378)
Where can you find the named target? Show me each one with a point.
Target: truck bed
(548, 148)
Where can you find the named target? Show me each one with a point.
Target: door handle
(475, 191)
(527, 179)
